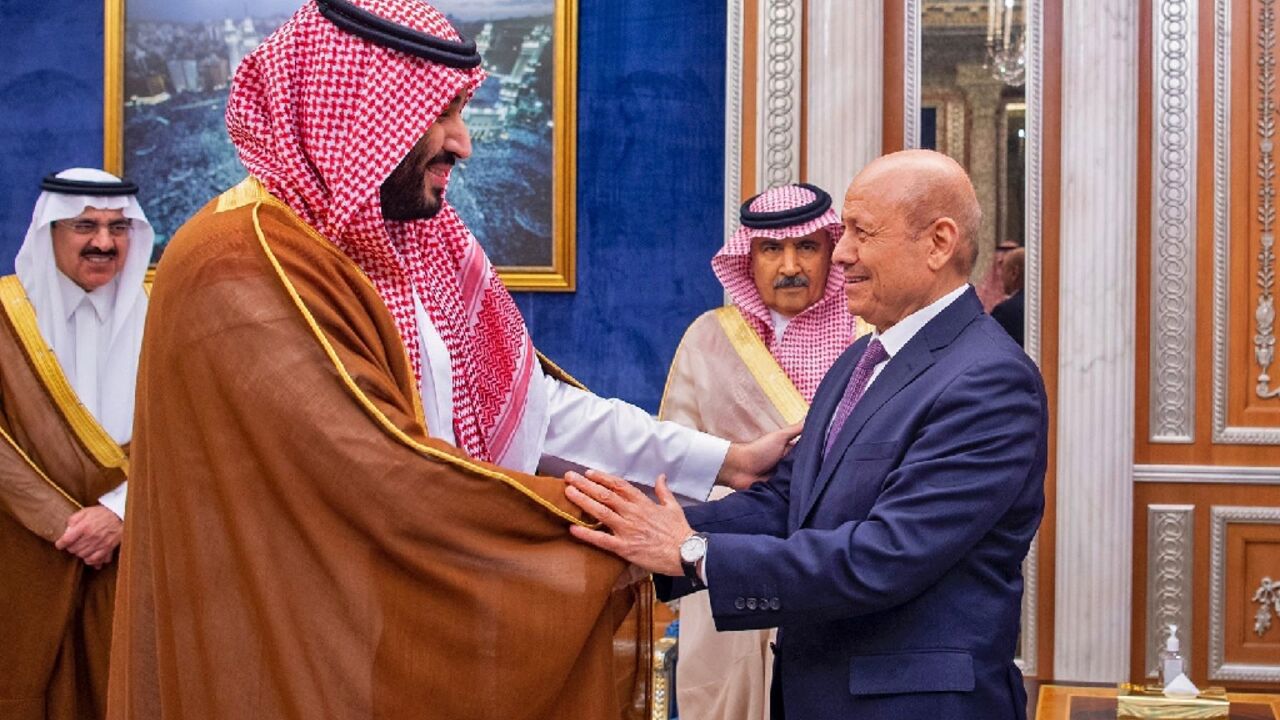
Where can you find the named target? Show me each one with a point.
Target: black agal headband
(65, 186)
(787, 218)
(380, 31)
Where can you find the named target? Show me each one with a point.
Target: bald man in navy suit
(888, 546)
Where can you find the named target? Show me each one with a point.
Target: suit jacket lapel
(914, 358)
(897, 373)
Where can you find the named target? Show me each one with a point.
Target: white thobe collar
(780, 323)
(102, 299)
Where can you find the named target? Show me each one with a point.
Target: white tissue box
(1136, 701)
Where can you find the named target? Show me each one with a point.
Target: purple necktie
(872, 356)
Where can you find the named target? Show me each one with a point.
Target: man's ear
(944, 240)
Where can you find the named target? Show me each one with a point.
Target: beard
(406, 195)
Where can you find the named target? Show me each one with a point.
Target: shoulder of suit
(988, 344)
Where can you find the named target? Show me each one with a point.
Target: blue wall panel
(650, 170)
(50, 102)
(650, 183)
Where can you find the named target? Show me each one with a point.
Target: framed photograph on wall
(169, 65)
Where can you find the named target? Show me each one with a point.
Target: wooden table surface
(1066, 702)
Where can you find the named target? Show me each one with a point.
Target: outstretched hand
(643, 532)
(748, 463)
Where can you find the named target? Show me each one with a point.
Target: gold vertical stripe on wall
(113, 86)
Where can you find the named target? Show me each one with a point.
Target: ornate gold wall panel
(1174, 61)
(1246, 395)
(1170, 542)
(1208, 382)
(1244, 644)
(1207, 495)
(1204, 551)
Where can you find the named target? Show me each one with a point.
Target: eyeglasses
(89, 228)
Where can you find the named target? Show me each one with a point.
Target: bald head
(928, 185)
(911, 225)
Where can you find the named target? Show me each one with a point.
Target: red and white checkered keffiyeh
(321, 118)
(814, 338)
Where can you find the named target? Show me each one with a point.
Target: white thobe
(780, 323)
(564, 427)
(88, 323)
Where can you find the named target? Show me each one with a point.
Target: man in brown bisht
(69, 341)
(334, 513)
(746, 369)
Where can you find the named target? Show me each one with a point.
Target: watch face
(693, 548)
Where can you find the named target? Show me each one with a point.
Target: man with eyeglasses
(70, 336)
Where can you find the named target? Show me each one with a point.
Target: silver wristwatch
(692, 550)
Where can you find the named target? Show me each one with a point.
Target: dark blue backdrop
(650, 170)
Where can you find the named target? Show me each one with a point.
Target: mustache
(791, 281)
(96, 252)
(444, 156)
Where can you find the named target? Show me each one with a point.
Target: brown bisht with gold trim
(55, 612)
(299, 548)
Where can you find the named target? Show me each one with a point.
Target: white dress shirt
(780, 323)
(564, 428)
(897, 337)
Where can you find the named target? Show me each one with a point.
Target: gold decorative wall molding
(1220, 669)
(1262, 320)
(779, 89)
(1207, 474)
(1264, 341)
(912, 73)
(1170, 545)
(1267, 596)
(733, 117)
(1175, 31)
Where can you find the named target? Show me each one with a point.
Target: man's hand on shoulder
(92, 534)
(748, 463)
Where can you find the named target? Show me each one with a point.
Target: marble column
(982, 97)
(845, 90)
(1096, 346)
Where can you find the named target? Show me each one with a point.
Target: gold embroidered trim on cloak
(382, 420)
(246, 192)
(100, 445)
(770, 376)
(558, 372)
(249, 191)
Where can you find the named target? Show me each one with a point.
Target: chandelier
(1006, 56)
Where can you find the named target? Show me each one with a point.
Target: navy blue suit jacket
(893, 565)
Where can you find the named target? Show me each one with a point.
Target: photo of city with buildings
(504, 191)
(181, 55)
